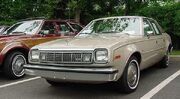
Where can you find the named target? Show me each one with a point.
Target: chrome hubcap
(133, 74)
(17, 65)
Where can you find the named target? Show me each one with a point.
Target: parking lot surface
(31, 87)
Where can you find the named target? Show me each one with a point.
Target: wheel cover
(17, 65)
(133, 74)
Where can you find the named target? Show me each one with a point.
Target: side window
(147, 27)
(157, 31)
(64, 28)
(13, 28)
(76, 27)
(49, 28)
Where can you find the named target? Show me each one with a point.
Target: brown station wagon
(19, 38)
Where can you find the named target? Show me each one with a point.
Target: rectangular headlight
(34, 55)
(101, 56)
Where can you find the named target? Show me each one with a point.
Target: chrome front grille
(65, 57)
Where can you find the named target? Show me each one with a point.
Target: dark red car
(19, 38)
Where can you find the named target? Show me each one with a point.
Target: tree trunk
(77, 15)
(127, 7)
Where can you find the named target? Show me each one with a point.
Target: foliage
(167, 15)
(175, 52)
(13, 10)
(176, 22)
(166, 12)
(90, 9)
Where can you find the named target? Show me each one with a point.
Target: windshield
(25, 27)
(129, 26)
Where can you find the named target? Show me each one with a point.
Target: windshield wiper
(110, 32)
(117, 32)
(17, 32)
(85, 33)
(96, 34)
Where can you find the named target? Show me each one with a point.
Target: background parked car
(20, 37)
(112, 49)
(3, 28)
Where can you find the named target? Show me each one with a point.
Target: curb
(175, 57)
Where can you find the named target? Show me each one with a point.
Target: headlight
(101, 56)
(34, 55)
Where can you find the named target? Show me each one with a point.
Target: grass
(175, 52)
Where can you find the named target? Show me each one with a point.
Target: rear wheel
(130, 77)
(164, 63)
(13, 65)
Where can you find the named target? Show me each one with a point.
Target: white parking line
(18, 82)
(156, 89)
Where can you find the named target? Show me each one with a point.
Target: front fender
(125, 52)
(11, 46)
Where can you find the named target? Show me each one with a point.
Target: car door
(160, 41)
(149, 45)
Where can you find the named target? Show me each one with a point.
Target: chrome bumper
(80, 74)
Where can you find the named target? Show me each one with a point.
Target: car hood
(88, 42)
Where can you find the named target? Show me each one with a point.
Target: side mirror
(150, 33)
(44, 32)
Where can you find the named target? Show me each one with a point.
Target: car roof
(122, 17)
(48, 20)
(59, 20)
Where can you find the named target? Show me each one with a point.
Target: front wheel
(13, 65)
(130, 77)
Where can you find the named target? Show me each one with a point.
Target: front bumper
(80, 74)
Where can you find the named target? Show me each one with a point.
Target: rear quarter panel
(168, 41)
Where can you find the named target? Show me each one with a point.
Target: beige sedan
(112, 49)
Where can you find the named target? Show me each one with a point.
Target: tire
(164, 63)
(13, 65)
(128, 84)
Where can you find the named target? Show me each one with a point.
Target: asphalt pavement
(153, 78)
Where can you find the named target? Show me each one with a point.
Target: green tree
(92, 8)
